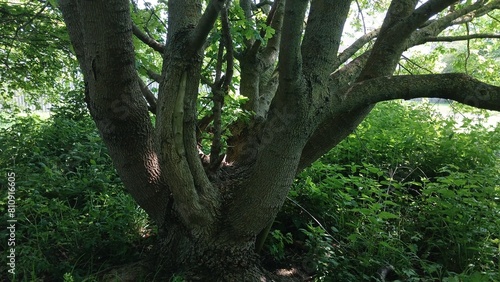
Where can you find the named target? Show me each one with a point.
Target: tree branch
(322, 139)
(395, 33)
(205, 24)
(217, 98)
(101, 32)
(322, 35)
(483, 7)
(270, 17)
(360, 97)
(289, 56)
(459, 38)
(154, 75)
(350, 72)
(275, 21)
(219, 89)
(355, 47)
(157, 46)
(433, 27)
(246, 6)
(228, 43)
(148, 95)
(390, 42)
(454, 86)
(328, 134)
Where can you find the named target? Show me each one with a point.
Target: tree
(211, 202)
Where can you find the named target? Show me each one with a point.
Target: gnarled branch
(454, 86)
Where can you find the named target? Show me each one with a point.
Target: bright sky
(141, 5)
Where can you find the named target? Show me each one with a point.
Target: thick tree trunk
(209, 259)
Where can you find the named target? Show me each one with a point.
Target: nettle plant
(391, 196)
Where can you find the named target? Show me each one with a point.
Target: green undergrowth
(73, 217)
(411, 193)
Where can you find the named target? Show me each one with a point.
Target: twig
(468, 50)
(461, 38)
(362, 16)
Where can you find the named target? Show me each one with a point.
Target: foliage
(419, 197)
(74, 218)
(36, 56)
(277, 244)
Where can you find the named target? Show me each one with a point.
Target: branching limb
(325, 25)
(390, 42)
(483, 7)
(434, 27)
(356, 103)
(355, 47)
(458, 87)
(322, 139)
(205, 24)
(216, 148)
(424, 12)
(289, 56)
(157, 46)
(350, 72)
(106, 57)
(396, 31)
(228, 43)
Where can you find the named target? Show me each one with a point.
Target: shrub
(73, 215)
(410, 190)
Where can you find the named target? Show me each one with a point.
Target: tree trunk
(210, 259)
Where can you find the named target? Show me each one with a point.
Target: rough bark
(101, 33)
(305, 95)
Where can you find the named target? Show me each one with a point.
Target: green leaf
(387, 215)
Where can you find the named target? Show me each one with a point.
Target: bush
(411, 191)
(73, 216)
